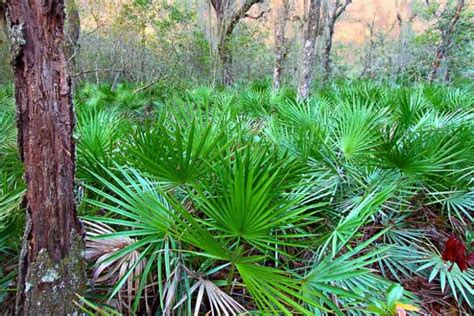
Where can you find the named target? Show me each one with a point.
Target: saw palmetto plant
(248, 201)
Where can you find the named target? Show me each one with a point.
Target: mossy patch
(51, 287)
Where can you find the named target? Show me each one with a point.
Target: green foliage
(12, 190)
(247, 200)
(176, 149)
(439, 15)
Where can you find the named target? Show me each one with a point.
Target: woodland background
(310, 157)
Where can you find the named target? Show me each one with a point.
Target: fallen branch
(149, 84)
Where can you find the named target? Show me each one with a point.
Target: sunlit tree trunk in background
(446, 39)
(227, 20)
(281, 43)
(333, 15)
(309, 45)
(52, 268)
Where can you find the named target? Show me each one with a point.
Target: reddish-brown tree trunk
(446, 39)
(52, 267)
(309, 45)
(280, 44)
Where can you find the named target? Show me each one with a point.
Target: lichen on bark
(51, 286)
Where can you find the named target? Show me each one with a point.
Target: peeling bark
(281, 45)
(309, 45)
(52, 266)
(446, 39)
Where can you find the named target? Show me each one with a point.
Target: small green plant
(393, 304)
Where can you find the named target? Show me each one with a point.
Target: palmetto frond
(109, 268)
(461, 284)
(247, 201)
(179, 152)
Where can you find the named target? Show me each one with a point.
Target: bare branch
(241, 12)
(262, 13)
(341, 8)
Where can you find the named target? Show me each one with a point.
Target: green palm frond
(100, 133)
(336, 276)
(248, 198)
(146, 222)
(356, 131)
(357, 215)
(273, 290)
(460, 283)
(177, 152)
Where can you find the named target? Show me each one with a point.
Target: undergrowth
(245, 200)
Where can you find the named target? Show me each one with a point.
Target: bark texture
(309, 45)
(331, 18)
(227, 20)
(52, 266)
(446, 39)
(281, 43)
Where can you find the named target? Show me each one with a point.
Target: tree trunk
(446, 39)
(73, 32)
(327, 52)
(52, 267)
(280, 44)
(332, 18)
(370, 51)
(2, 15)
(310, 36)
(225, 57)
(226, 24)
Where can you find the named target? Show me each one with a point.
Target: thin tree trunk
(446, 39)
(52, 268)
(327, 52)
(369, 54)
(281, 48)
(73, 32)
(309, 53)
(2, 17)
(332, 18)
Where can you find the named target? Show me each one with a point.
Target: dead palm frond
(111, 265)
(219, 301)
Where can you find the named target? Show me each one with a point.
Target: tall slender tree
(281, 43)
(52, 268)
(310, 35)
(227, 20)
(333, 14)
(447, 30)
